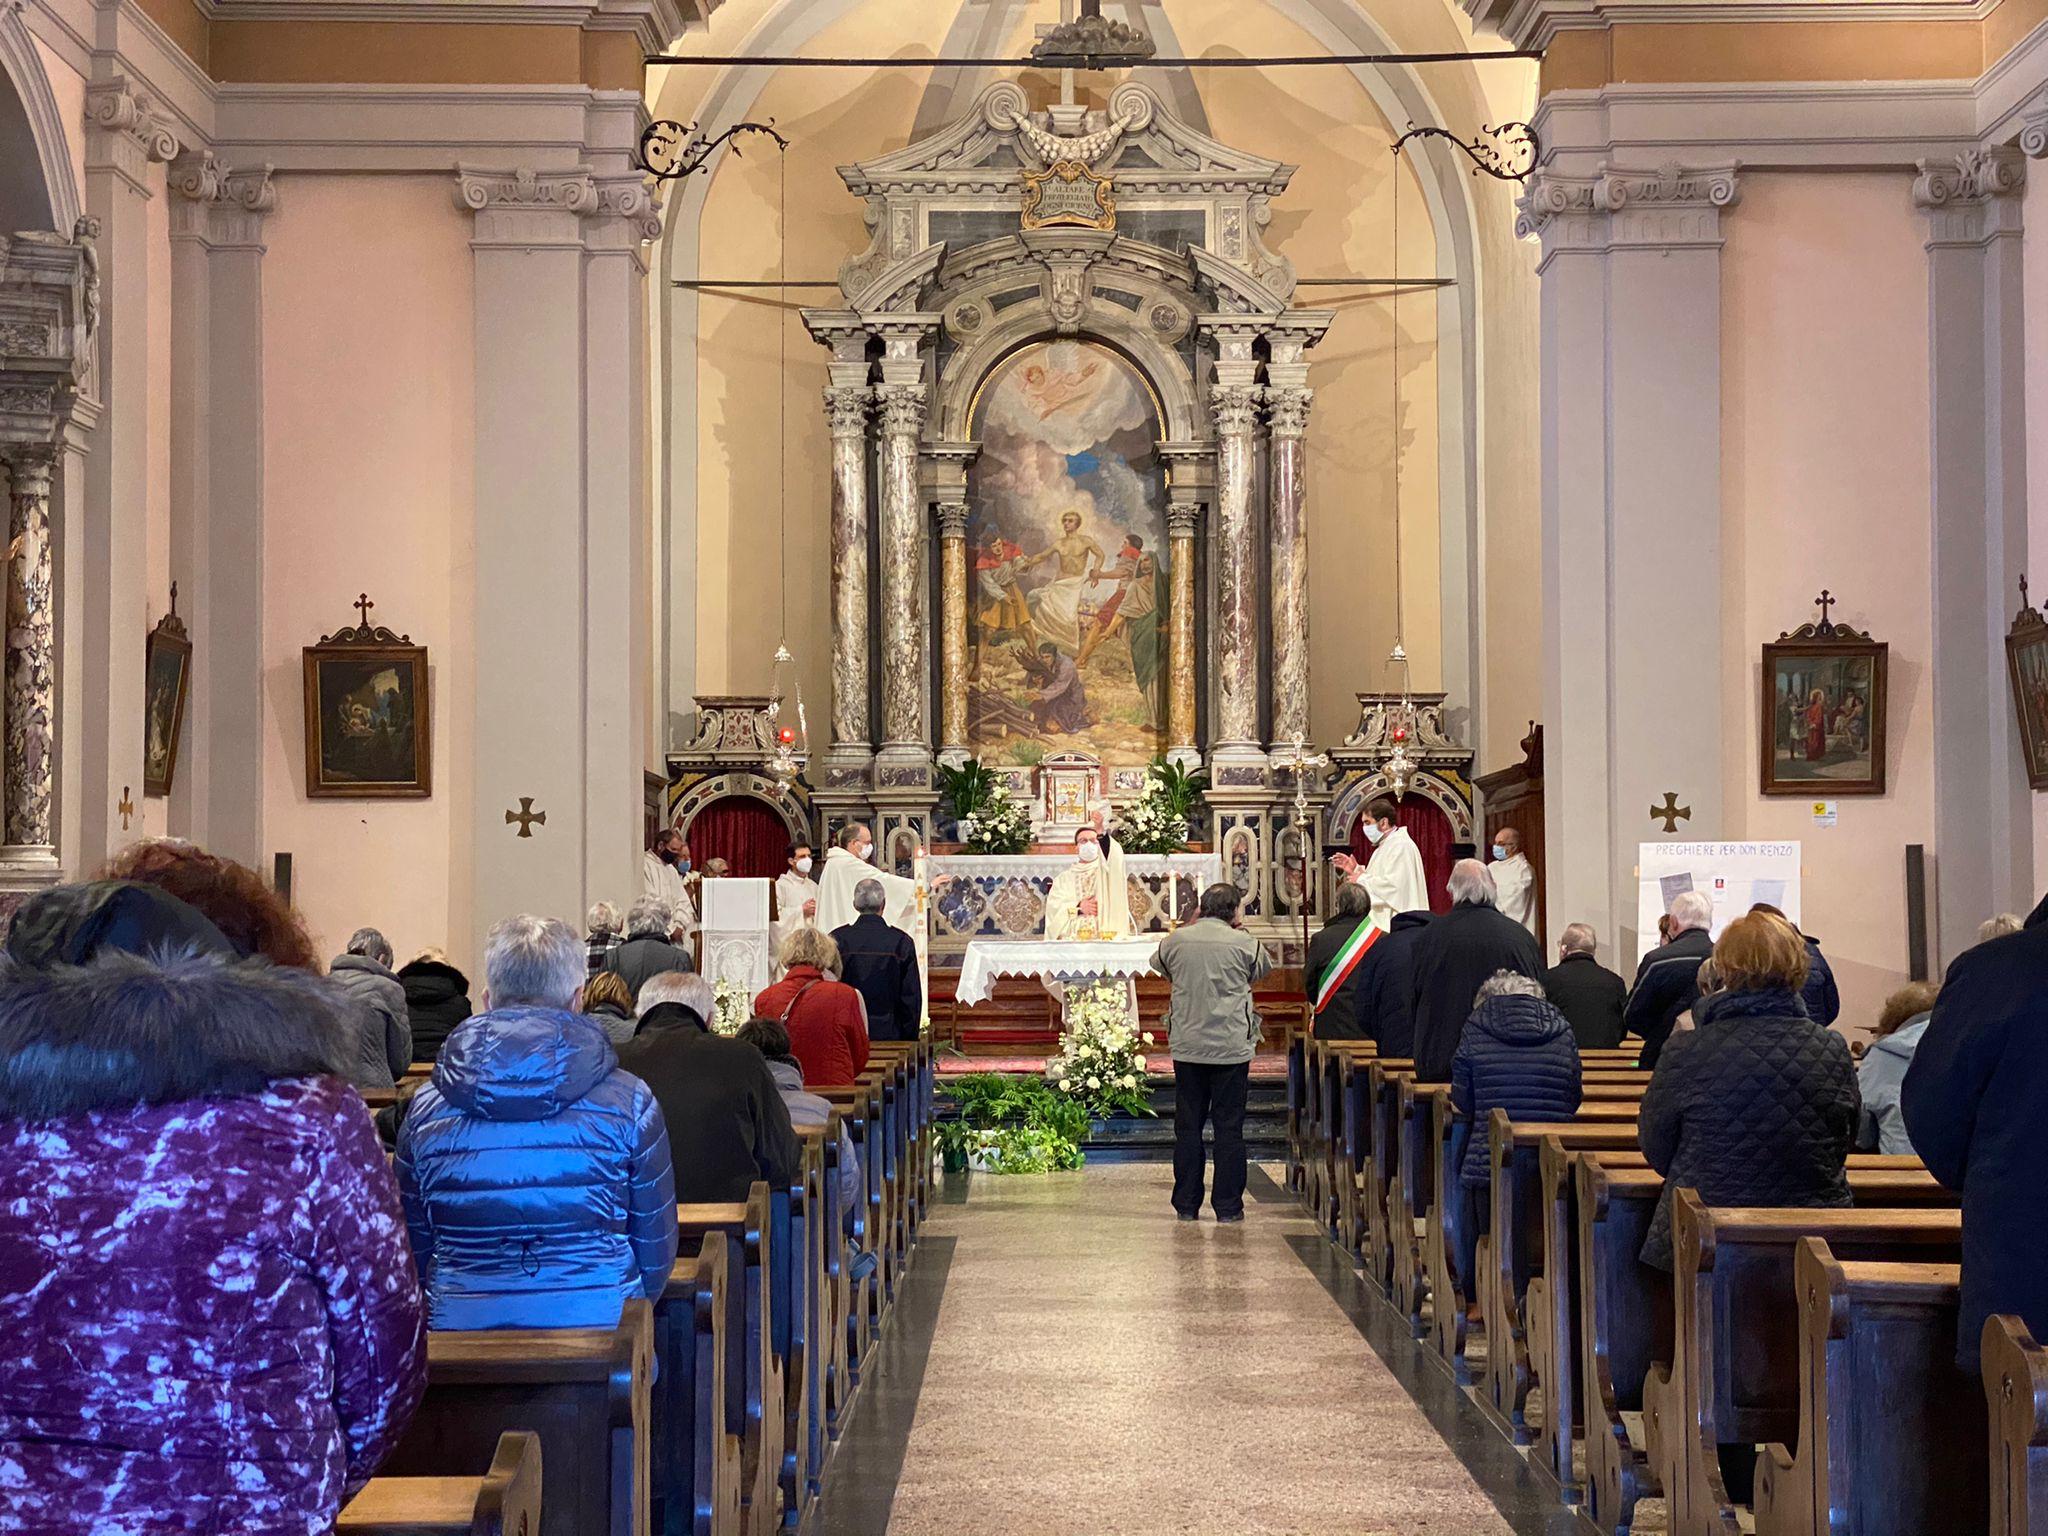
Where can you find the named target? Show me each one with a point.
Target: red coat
(828, 1032)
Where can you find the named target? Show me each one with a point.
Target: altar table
(1068, 962)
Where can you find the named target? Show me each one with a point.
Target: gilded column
(31, 655)
(1235, 406)
(1287, 409)
(1183, 522)
(904, 628)
(846, 408)
(953, 626)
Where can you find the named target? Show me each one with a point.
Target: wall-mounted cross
(1671, 812)
(363, 605)
(126, 807)
(526, 818)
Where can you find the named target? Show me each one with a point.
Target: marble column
(846, 409)
(31, 661)
(1236, 638)
(952, 517)
(1183, 524)
(905, 638)
(1287, 408)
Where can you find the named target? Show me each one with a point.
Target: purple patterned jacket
(209, 1319)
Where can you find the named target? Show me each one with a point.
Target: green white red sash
(1363, 937)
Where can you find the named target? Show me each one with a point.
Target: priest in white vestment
(796, 895)
(1092, 893)
(845, 867)
(664, 869)
(1394, 876)
(1514, 877)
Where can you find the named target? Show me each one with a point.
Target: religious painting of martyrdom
(368, 726)
(1824, 716)
(1068, 589)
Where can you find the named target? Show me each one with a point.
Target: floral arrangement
(1159, 821)
(991, 821)
(1101, 1064)
(735, 1005)
(1005, 1124)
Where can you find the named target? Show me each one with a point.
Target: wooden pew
(1891, 1432)
(798, 1278)
(583, 1391)
(2015, 1372)
(1383, 1080)
(1335, 1191)
(753, 1374)
(1625, 1322)
(1296, 1046)
(859, 1110)
(696, 1460)
(505, 1501)
(1408, 1198)
(1733, 1375)
(827, 1328)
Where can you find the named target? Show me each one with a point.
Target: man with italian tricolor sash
(1331, 973)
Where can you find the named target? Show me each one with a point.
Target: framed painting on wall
(369, 723)
(2026, 663)
(167, 675)
(1823, 698)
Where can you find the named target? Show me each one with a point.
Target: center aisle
(1099, 1368)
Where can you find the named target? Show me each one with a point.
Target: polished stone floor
(1073, 1361)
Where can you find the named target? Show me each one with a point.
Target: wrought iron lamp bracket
(670, 150)
(1508, 152)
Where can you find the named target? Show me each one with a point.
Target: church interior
(1325, 573)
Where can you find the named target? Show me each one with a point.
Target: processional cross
(1301, 762)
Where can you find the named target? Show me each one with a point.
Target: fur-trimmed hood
(126, 1030)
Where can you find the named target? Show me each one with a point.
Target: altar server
(796, 895)
(1394, 878)
(665, 877)
(1091, 893)
(1514, 877)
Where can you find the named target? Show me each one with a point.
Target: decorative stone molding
(217, 204)
(1667, 207)
(525, 188)
(901, 408)
(2034, 129)
(1183, 519)
(1973, 176)
(1235, 407)
(1287, 410)
(952, 519)
(128, 133)
(846, 409)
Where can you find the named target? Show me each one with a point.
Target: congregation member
(880, 963)
(1212, 1033)
(436, 1000)
(1392, 874)
(1514, 877)
(607, 999)
(1386, 984)
(727, 1124)
(253, 918)
(1823, 1001)
(1454, 955)
(649, 948)
(1757, 1105)
(1516, 1053)
(796, 896)
(1667, 980)
(828, 1033)
(717, 869)
(810, 1109)
(665, 878)
(382, 1049)
(219, 1327)
(1332, 975)
(1590, 996)
(1882, 1071)
(1998, 927)
(535, 1172)
(604, 932)
(1972, 1103)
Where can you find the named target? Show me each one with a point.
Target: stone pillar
(28, 826)
(1287, 406)
(1630, 316)
(905, 637)
(1236, 636)
(952, 516)
(1183, 523)
(1977, 394)
(846, 409)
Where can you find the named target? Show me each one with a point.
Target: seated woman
(211, 1315)
(535, 1173)
(1518, 1054)
(826, 1020)
(607, 999)
(1756, 1106)
(1882, 1072)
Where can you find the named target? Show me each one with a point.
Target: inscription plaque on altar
(1067, 194)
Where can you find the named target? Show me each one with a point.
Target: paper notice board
(1735, 876)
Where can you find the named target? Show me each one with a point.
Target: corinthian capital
(1287, 408)
(846, 408)
(1235, 407)
(952, 516)
(902, 408)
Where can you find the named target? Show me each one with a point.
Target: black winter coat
(1453, 956)
(1973, 1102)
(1517, 1054)
(726, 1122)
(880, 963)
(436, 1000)
(1823, 1001)
(1667, 983)
(1590, 997)
(1343, 1018)
(1757, 1106)
(647, 955)
(1386, 987)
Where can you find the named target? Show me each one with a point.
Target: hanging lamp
(791, 744)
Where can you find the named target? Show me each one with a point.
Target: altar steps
(1020, 1016)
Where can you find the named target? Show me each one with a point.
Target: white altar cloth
(735, 931)
(1074, 960)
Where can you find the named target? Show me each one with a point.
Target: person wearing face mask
(849, 863)
(796, 896)
(1514, 877)
(663, 873)
(1090, 895)
(1393, 877)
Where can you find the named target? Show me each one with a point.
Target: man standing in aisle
(1394, 877)
(1514, 877)
(796, 895)
(1212, 1034)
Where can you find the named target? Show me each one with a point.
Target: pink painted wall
(368, 449)
(1826, 484)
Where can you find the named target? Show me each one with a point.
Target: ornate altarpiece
(1182, 293)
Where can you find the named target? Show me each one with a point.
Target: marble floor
(1070, 1360)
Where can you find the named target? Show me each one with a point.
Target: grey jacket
(1881, 1074)
(1213, 968)
(380, 1048)
(812, 1109)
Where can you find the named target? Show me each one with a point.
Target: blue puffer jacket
(1517, 1054)
(536, 1177)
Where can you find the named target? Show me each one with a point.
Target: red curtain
(743, 831)
(1431, 829)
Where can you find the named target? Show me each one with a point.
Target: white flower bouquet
(1101, 1062)
(734, 1006)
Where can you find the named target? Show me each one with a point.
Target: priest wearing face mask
(1090, 895)
(1514, 877)
(1394, 877)
(850, 863)
(796, 895)
(663, 876)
